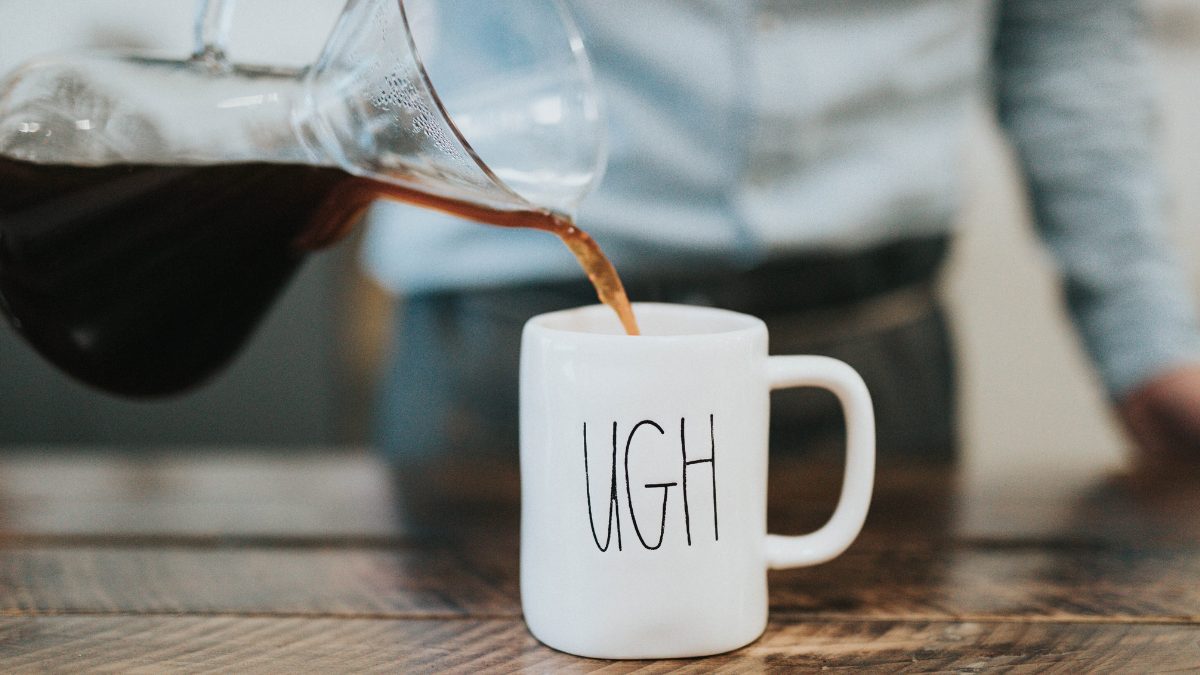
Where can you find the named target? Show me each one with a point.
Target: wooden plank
(932, 505)
(1067, 584)
(1081, 584)
(194, 644)
(425, 582)
(347, 494)
(352, 494)
(1079, 504)
(341, 492)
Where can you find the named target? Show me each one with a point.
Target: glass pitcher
(151, 209)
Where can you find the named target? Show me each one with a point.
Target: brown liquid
(145, 280)
(356, 195)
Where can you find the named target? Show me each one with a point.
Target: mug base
(658, 649)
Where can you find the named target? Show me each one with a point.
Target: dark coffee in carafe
(145, 280)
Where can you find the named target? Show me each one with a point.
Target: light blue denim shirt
(746, 130)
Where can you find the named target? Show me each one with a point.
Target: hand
(1162, 416)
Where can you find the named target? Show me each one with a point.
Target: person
(802, 162)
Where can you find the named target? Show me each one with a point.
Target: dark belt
(783, 286)
(809, 281)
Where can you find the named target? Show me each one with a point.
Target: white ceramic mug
(644, 479)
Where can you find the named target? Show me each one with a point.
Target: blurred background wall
(307, 377)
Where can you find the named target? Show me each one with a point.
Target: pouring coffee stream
(595, 264)
(153, 209)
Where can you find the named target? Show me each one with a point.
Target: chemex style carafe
(151, 208)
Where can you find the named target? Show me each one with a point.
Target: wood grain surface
(195, 492)
(204, 561)
(1073, 584)
(352, 494)
(288, 645)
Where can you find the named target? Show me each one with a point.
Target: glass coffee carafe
(151, 209)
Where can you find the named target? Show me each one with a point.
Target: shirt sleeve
(1074, 93)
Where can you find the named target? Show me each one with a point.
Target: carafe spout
(475, 100)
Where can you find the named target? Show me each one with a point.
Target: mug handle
(843, 527)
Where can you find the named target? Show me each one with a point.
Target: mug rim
(605, 326)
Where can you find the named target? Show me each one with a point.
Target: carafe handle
(213, 18)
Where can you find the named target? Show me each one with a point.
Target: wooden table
(201, 561)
